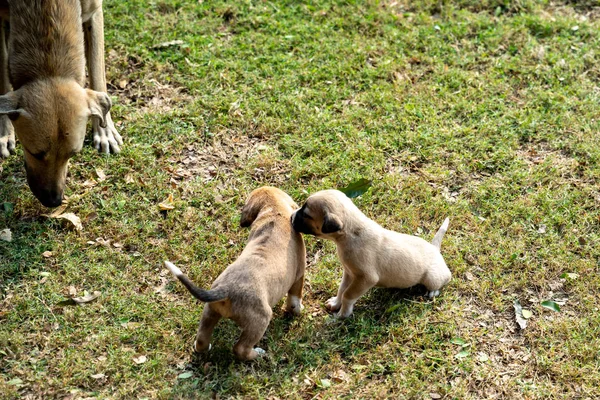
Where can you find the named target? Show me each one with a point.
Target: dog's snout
(52, 199)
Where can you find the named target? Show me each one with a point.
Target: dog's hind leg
(7, 132)
(254, 326)
(210, 318)
(294, 297)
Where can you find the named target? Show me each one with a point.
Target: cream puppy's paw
(333, 304)
(433, 293)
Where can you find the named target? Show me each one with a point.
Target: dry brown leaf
(47, 254)
(89, 183)
(72, 218)
(167, 204)
(101, 174)
(98, 376)
(80, 300)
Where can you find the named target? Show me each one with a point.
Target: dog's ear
(250, 211)
(99, 104)
(331, 223)
(8, 106)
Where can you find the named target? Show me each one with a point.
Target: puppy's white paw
(260, 351)
(342, 315)
(106, 140)
(433, 293)
(333, 304)
(294, 305)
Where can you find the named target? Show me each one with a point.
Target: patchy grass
(484, 111)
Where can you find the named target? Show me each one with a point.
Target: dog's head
(50, 118)
(265, 199)
(322, 214)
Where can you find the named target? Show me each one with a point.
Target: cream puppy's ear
(331, 223)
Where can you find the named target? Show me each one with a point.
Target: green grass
(483, 111)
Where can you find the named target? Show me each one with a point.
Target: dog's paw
(342, 315)
(106, 140)
(294, 305)
(333, 304)
(260, 351)
(7, 137)
(433, 293)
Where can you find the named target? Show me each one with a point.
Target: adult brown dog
(371, 255)
(48, 106)
(271, 265)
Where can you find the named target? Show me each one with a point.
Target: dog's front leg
(359, 286)
(106, 139)
(7, 132)
(334, 303)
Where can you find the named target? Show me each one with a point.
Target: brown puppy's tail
(207, 296)
(437, 239)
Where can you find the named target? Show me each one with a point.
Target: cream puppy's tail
(207, 296)
(437, 239)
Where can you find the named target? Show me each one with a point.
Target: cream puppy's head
(325, 214)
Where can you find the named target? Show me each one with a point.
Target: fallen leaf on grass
(99, 376)
(72, 218)
(6, 235)
(526, 313)
(483, 357)
(551, 305)
(140, 359)
(569, 275)
(519, 314)
(167, 204)
(171, 43)
(435, 395)
(357, 188)
(324, 383)
(80, 300)
(185, 375)
(15, 382)
(47, 254)
(101, 174)
(462, 354)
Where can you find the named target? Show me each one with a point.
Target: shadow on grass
(297, 346)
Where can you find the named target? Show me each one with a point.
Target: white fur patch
(171, 267)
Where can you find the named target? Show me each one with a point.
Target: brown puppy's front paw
(106, 140)
(333, 304)
(201, 347)
(7, 137)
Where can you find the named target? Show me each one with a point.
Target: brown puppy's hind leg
(294, 297)
(254, 326)
(205, 329)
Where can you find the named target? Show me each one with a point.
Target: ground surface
(483, 111)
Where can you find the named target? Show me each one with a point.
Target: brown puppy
(370, 254)
(49, 107)
(271, 266)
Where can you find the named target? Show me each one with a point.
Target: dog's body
(371, 255)
(271, 265)
(49, 42)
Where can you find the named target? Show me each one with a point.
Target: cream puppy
(371, 255)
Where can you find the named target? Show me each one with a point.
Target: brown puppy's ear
(331, 224)
(99, 104)
(250, 211)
